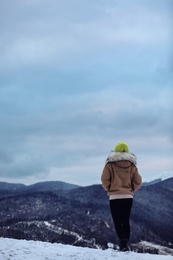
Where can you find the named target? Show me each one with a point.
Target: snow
(166, 175)
(12, 249)
(163, 176)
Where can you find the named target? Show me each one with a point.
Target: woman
(120, 178)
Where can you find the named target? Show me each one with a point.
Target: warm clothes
(120, 174)
(120, 178)
(120, 211)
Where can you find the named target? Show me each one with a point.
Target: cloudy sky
(76, 77)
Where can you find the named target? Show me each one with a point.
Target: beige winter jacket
(120, 174)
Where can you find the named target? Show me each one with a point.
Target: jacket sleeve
(136, 180)
(106, 178)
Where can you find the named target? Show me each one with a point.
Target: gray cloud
(76, 79)
(42, 34)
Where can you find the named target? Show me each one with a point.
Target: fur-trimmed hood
(116, 157)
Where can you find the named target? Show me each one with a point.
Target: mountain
(159, 177)
(151, 182)
(15, 188)
(164, 175)
(11, 186)
(81, 216)
(152, 211)
(22, 249)
(51, 186)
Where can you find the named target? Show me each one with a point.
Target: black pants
(120, 210)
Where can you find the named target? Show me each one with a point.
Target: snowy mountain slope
(75, 218)
(12, 249)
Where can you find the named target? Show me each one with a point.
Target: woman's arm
(106, 178)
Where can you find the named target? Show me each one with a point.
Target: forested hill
(81, 216)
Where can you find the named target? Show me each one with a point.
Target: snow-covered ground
(12, 249)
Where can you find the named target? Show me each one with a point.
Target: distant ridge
(60, 185)
(52, 186)
(40, 186)
(151, 182)
(4, 186)
(159, 177)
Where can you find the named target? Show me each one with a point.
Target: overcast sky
(76, 77)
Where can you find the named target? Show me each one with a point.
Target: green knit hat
(121, 147)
